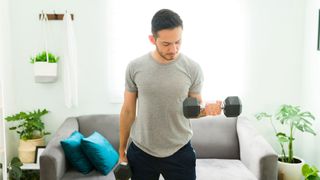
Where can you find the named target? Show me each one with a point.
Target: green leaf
(315, 169)
(262, 115)
(314, 177)
(42, 57)
(306, 170)
(309, 130)
(15, 172)
(300, 127)
(282, 137)
(310, 172)
(15, 161)
(29, 123)
(46, 133)
(306, 121)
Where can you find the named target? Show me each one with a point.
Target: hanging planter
(45, 64)
(45, 67)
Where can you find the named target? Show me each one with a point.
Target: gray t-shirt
(160, 129)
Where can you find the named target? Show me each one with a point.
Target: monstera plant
(293, 119)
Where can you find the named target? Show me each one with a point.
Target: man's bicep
(196, 95)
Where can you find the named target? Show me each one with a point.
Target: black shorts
(179, 166)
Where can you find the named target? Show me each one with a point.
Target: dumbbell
(231, 107)
(122, 171)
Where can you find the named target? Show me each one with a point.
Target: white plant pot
(290, 171)
(45, 72)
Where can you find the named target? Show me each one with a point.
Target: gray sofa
(226, 148)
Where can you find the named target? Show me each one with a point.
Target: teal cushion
(100, 152)
(74, 154)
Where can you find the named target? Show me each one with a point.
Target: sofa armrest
(255, 152)
(52, 160)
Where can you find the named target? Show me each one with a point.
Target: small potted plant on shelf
(45, 67)
(16, 172)
(14, 169)
(31, 130)
(293, 119)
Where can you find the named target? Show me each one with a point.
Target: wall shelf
(57, 17)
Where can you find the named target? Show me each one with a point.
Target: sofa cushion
(73, 174)
(221, 169)
(217, 169)
(215, 137)
(100, 152)
(74, 154)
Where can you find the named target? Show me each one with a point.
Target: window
(214, 36)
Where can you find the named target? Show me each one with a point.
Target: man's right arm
(127, 116)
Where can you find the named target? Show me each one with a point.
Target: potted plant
(310, 172)
(14, 169)
(31, 130)
(45, 67)
(294, 119)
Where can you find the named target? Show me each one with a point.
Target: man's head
(165, 19)
(166, 33)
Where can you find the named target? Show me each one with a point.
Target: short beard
(163, 55)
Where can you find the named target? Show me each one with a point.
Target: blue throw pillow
(74, 154)
(100, 152)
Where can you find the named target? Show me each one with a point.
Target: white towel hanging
(70, 64)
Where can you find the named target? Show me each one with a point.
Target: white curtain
(4, 44)
(70, 64)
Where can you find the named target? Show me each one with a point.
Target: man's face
(168, 43)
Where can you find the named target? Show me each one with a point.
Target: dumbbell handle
(124, 163)
(231, 107)
(203, 106)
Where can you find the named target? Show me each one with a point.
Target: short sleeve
(130, 85)
(197, 79)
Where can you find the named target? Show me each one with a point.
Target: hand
(123, 158)
(213, 109)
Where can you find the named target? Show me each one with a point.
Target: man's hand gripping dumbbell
(122, 171)
(231, 107)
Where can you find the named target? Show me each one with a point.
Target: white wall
(311, 84)
(274, 52)
(26, 37)
(274, 59)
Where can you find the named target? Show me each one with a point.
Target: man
(161, 80)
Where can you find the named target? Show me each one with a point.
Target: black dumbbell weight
(122, 171)
(191, 107)
(231, 107)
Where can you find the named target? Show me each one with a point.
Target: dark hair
(165, 19)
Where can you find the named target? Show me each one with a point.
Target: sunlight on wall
(213, 37)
